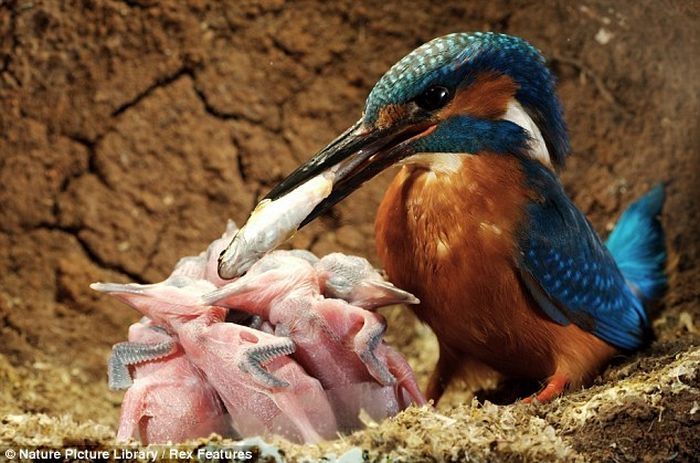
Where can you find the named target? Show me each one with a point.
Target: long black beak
(358, 154)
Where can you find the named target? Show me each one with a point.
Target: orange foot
(554, 388)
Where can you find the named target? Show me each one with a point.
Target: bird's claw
(132, 353)
(377, 369)
(257, 356)
(366, 350)
(555, 387)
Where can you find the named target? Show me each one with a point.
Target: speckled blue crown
(454, 60)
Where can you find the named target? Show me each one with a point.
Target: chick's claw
(255, 357)
(366, 342)
(132, 353)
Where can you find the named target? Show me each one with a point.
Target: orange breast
(449, 237)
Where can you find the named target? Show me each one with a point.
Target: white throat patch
(516, 114)
(450, 163)
(439, 163)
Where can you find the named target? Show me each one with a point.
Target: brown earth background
(131, 130)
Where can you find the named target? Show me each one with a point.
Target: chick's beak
(357, 155)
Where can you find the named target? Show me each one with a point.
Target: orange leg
(555, 387)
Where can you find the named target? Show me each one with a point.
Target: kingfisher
(511, 276)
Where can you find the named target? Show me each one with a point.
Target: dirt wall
(130, 130)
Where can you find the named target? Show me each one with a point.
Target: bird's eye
(433, 98)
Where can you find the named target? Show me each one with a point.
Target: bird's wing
(571, 274)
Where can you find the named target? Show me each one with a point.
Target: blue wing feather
(570, 273)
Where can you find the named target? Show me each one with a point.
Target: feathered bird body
(510, 274)
(457, 229)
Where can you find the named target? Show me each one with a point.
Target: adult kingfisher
(511, 276)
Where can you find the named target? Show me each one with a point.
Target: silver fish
(272, 223)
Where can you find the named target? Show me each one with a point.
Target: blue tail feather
(637, 245)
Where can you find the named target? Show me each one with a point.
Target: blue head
(457, 63)
(461, 93)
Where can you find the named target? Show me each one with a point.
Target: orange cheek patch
(486, 98)
(390, 114)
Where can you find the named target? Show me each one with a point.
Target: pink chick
(263, 389)
(204, 265)
(355, 280)
(338, 343)
(169, 400)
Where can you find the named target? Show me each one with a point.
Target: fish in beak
(356, 156)
(332, 174)
(272, 223)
